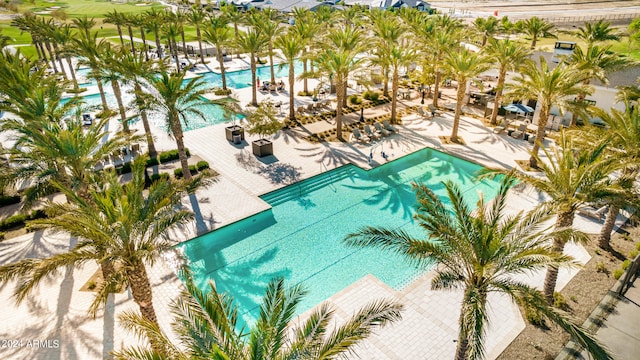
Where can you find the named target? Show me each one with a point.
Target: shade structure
(518, 108)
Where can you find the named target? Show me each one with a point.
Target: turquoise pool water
(300, 237)
(242, 78)
(213, 114)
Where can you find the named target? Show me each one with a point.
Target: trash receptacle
(237, 139)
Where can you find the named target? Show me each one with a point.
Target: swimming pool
(300, 237)
(242, 78)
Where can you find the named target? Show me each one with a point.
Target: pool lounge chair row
(384, 129)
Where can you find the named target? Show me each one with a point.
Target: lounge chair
(502, 127)
(594, 213)
(381, 129)
(372, 134)
(360, 137)
(421, 112)
(432, 110)
(389, 126)
(519, 133)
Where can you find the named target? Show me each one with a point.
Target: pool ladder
(323, 166)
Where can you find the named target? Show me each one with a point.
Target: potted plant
(234, 132)
(263, 122)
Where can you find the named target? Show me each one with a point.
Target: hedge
(9, 199)
(171, 155)
(201, 165)
(20, 219)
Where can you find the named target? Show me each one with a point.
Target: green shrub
(354, 99)
(559, 301)
(633, 254)
(171, 155)
(13, 221)
(9, 199)
(2, 234)
(617, 273)
(178, 173)
(201, 165)
(533, 316)
(638, 246)
(626, 264)
(192, 169)
(152, 162)
(125, 169)
(601, 267)
(222, 91)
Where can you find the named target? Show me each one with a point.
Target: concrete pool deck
(56, 311)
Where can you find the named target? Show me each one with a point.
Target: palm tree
(488, 28)
(337, 59)
(64, 36)
(306, 28)
(268, 22)
(549, 87)
(463, 66)
(180, 19)
(51, 32)
(139, 21)
(125, 225)
(196, 17)
(575, 174)
(508, 55)
(535, 28)
(27, 23)
(208, 328)
(252, 41)
(130, 21)
(117, 19)
(218, 33)
(49, 150)
(291, 47)
(84, 24)
(440, 37)
(623, 130)
(394, 51)
(599, 31)
(90, 49)
(178, 101)
(171, 30)
(136, 70)
(153, 20)
(110, 62)
(596, 62)
(233, 16)
(479, 251)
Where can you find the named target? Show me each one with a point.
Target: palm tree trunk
(394, 95)
(254, 94)
(145, 123)
(574, 115)
(200, 45)
(305, 87)
(118, 94)
(463, 340)
(542, 123)
(339, 94)
(37, 45)
(436, 88)
(565, 220)
(72, 72)
(176, 128)
(145, 48)
(292, 79)
(221, 61)
(184, 44)
(106, 267)
(534, 41)
(273, 73)
(462, 88)
(385, 82)
(143, 296)
(57, 53)
(158, 45)
(133, 44)
(103, 97)
(604, 237)
(120, 35)
(497, 101)
(51, 56)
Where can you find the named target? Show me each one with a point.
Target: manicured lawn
(88, 8)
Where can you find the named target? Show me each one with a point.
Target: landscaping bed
(581, 296)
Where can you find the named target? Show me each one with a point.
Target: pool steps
(306, 186)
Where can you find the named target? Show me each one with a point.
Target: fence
(621, 18)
